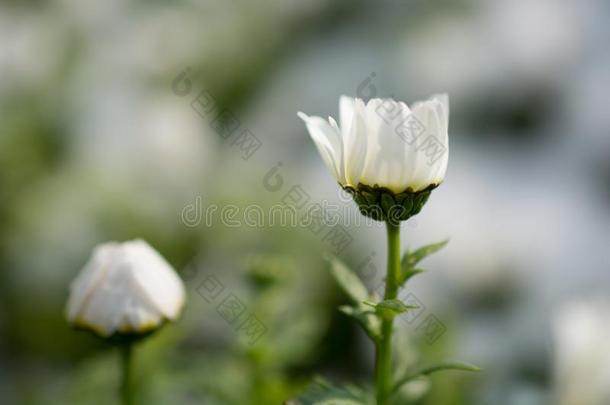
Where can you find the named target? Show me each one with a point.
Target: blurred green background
(97, 143)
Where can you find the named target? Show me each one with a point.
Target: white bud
(125, 288)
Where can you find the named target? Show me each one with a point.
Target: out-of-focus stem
(127, 377)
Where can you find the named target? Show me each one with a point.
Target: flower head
(125, 288)
(384, 147)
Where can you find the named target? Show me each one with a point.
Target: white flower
(582, 333)
(126, 288)
(385, 143)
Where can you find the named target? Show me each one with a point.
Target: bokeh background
(98, 142)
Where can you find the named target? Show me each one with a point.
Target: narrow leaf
(395, 306)
(410, 260)
(349, 282)
(424, 371)
(449, 365)
(415, 257)
(407, 274)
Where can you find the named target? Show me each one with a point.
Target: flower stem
(127, 382)
(383, 366)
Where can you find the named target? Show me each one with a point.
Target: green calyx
(382, 204)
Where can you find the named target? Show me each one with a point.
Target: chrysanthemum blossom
(125, 288)
(384, 150)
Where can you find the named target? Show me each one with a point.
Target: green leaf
(449, 365)
(338, 400)
(407, 274)
(424, 371)
(391, 307)
(323, 392)
(396, 305)
(369, 321)
(424, 251)
(349, 282)
(410, 260)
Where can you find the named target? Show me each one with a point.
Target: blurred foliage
(76, 169)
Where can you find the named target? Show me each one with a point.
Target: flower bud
(126, 289)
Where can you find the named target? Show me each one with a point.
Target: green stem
(127, 382)
(383, 366)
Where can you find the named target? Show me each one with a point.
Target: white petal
(410, 132)
(431, 145)
(87, 280)
(443, 100)
(440, 103)
(327, 139)
(355, 141)
(117, 305)
(439, 176)
(155, 276)
(346, 113)
(386, 153)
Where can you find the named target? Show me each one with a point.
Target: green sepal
(406, 200)
(360, 200)
(370, 198)
(383, 204)
(120, 338)
(387, 202)
(419, 201)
